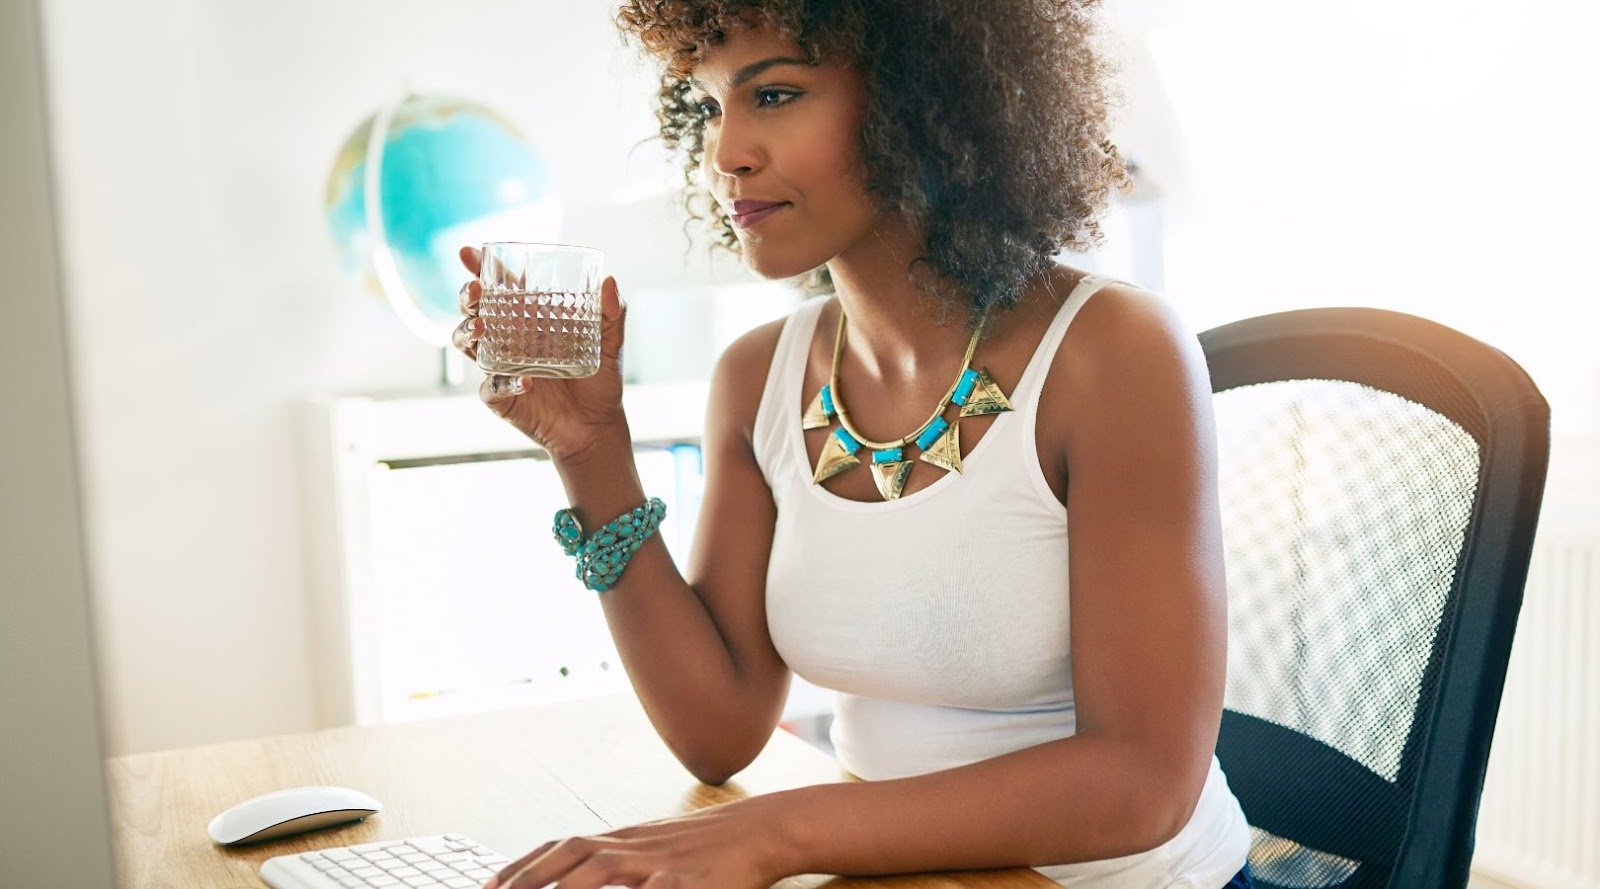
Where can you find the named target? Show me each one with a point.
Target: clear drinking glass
(540, 309)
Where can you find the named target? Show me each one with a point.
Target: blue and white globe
(417, 180)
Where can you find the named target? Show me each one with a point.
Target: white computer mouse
(286, 812)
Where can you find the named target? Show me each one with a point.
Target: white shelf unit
(436, 588)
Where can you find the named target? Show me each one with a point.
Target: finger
(649, 828)
(466, 335)
(558, 862)
(510, 871)
(497, 390)
(613, 319)
(468, 297)
(470, 257)
(612, 308)
(607, 867)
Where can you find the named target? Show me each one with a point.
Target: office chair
(1381, 477)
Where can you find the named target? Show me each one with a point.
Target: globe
(417, 180)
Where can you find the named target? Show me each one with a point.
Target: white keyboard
(445, 861)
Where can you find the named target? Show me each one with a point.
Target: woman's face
(782, 151)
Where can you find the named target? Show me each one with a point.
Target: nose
(733, 148)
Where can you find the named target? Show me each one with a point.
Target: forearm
(676, 657)
(1077, 799)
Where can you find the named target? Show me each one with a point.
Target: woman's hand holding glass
(566, 417)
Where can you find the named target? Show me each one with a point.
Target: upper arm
(1148, 598)
(733, 539)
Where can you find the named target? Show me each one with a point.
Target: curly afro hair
(987, 123)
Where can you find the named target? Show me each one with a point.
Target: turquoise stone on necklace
(893, 455)
(969, 378)
(932, 432)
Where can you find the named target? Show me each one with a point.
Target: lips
(748, 213)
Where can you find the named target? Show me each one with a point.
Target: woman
(889, 471)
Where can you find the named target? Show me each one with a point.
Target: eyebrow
(754, 69)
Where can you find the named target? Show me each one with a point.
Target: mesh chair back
(1380, 483)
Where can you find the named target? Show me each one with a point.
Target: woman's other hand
(564, 416)
(732, 846)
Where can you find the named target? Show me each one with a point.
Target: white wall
(1430, 156)
(192, 143)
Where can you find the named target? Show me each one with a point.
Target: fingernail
(508, 385)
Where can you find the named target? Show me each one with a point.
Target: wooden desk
(510, 780)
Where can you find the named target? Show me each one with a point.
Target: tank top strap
(780, 397)
(1027, 388)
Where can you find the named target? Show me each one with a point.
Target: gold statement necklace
(938, 439)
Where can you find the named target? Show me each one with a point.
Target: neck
(894, 332)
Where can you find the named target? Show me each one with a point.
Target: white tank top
(941, 618)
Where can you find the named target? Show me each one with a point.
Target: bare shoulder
(1128, 374)
(1127, 341)
(1120, 317)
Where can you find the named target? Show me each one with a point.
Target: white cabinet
(436, 587)
(474, 605)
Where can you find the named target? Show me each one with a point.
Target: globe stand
(452, 368)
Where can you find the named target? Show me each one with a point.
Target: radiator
(1539, 822)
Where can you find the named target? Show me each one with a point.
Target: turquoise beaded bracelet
(603, 555)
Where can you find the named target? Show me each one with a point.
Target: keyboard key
(430, 846)
(444, 861)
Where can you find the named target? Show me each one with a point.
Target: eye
(774, 96)
(706, 108)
